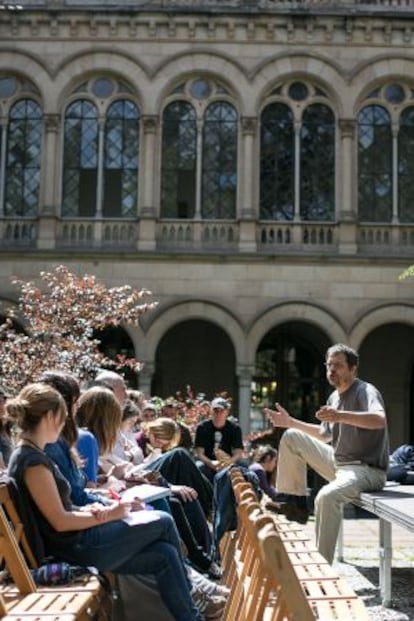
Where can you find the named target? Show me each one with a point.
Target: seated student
(264, 466)
(99, 412)
(126, 446)
(218, 440)
(92, 536)
(163, 435)
(401, 465)
(64, 452)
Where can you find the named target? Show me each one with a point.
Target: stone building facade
(251, 163)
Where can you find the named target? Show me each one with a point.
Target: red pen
(114, 494)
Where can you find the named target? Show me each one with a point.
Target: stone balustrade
(208, 236)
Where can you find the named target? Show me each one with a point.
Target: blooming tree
(59, 320)
(407, 273)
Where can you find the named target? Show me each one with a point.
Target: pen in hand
(114, 494)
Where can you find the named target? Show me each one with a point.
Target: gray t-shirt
(354, 444)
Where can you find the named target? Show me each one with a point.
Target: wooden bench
(24, 599)
(393, 505)
(323, 594)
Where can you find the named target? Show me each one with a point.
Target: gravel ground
(361, 572)
(363, 576)
(360, 568)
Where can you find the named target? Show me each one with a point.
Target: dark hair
(130, 410)
(32, 404)
(351, 355)
(68, 386)
(263, 452)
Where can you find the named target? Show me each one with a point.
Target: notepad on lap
(145, 492)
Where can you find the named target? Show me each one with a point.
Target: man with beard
(349, 448)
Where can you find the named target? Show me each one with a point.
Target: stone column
(297, 129)
(199, 170)
(3, 135)
(145, 378)
(147, 213)
(99, 176)
(347, 194)
(49, 203)
(245, 374)
(395, 218)
(247, 213)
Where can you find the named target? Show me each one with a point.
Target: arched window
(374, 165)
(179, 156)
(101, 149)
(317, 164)
(277, 163)
(297, 155)
(80, 160)
(219, 183)
(406, 166)
(121, 160)
(20, 150)
(199, 153)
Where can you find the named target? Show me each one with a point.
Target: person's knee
(327, 496)
(291, 438)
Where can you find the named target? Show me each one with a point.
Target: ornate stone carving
(347, 127)
(52, 122)
(150, 123)
(249, 124)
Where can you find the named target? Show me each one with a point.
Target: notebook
(145, 492)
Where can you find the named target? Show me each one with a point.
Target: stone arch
(391, 313)
(182, 65)
(369, 74)
(206, 311)
(120, 65)
(30, 67)
(320, 69)
(299, 311)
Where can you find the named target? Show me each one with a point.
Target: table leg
(385, 558)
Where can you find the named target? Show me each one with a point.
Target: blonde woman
(164, 435)
(93, 536)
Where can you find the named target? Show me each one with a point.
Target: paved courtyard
(360, 565)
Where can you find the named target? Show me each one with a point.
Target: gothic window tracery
(386, 155)
(199, 152)
(297, 155)
(101, 152)
(20, 147)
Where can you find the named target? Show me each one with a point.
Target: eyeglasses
(334, 365)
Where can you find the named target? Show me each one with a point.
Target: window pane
(317, 164)
(276, 163)
(219, 177)
(121, 145)
(22, 176)
(80, 160)
(406, 166)
(374, 165)
(179, 144)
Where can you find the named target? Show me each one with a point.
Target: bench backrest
(11, 537)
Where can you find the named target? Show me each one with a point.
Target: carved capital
(245, 373)
(52, 123)
(249, 124)
(150, 123)
(347, 127)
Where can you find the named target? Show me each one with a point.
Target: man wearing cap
(217, 439)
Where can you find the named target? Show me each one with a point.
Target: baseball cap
(221, 403)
